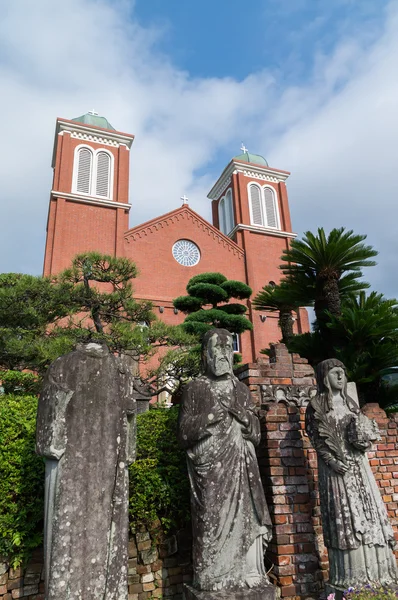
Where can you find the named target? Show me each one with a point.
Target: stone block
(34, 568)
(148, 587)
(15, 573)
(142, 536)
(147, 578)
(132, 549)
(31, 578)
(15, 583)
(29, 590)
(149, 556)
(268, 592)
(169, 547)
(146, 545)
(143, 569)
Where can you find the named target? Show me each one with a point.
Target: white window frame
(249, 185)
(222, 215)
(276, 203)
(263, 207)
(93, 175)
(229, 212)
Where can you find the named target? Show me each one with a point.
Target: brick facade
(79, 223)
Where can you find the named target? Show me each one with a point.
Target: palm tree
(282, 299)
(331, 265)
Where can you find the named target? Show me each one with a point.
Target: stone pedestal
(265, 592)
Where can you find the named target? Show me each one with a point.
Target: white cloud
(336, 134)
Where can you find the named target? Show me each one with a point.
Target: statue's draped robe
(355, 524)
(86, 432)
(229, 511)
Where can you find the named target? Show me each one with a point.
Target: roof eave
(235, 166)
(73, 126)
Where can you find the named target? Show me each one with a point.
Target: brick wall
(282, 387)
(158, 566)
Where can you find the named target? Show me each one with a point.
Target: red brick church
(89, 211)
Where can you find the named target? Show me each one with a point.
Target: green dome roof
(91, 118)
(251, 158)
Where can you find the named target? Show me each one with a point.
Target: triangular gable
(177, 216)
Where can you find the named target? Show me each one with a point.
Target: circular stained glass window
(186, 253)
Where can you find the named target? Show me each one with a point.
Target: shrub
(20, 384)
(21, 479)
(159, 486)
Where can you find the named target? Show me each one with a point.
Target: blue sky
(234, 38)
(309, 84)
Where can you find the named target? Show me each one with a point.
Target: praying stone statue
(357, 533)
(86, 432)
(231, 525)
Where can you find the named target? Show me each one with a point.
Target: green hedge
(21, 479)
(159, 486)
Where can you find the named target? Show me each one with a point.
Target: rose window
(186, 253)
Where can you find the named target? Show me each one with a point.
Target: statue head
(331, 377)
(217, 352)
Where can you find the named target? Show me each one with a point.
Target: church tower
(250, 206)
(89, 198)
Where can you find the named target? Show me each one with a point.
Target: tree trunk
(327, 299)
(332, 296)
(286, 325)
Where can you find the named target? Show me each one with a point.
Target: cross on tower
(243, 148)
(92, 112)
(184, 199)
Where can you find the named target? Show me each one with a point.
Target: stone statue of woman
(357, 533)
(230, 519)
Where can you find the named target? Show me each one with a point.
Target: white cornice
(90, 200)
(263, 230)
(249, 170)
(94, 134)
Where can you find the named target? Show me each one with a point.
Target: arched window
(84, 168)
(229, 213)
(270, 207)
(92, 172)
(255, 202)
(221, 214)
(263, 206)
(102, 183)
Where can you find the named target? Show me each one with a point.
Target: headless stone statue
(86, 432)
(357, 533)
(230, 519)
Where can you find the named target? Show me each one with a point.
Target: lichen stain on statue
(357, 533)
(86, 432)
(231, 525)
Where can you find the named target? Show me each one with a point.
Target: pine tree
(214, 290)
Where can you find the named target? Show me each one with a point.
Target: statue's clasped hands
(338, 466)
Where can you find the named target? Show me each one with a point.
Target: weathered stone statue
(230, 519)
(357, 533)
(86, 432)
